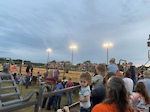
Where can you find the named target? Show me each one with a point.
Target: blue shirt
(58, 87)
(112, 68)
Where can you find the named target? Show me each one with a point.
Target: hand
(66, 108)
(59, 110)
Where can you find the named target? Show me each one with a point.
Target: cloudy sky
(29, 27)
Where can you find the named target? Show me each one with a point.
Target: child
(140, 99)
(57, 98)
(69, 93)
(85, 92)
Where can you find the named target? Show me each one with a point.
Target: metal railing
(37, 102)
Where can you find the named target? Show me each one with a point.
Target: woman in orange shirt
(117, 98)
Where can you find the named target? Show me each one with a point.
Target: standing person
(31, 67)
(131, 68)
(146, 80)
(69, 93)
(98, 94)
(116, 99)
(56, 74)
(97, 79)
(128, 82)
(12, 68)
(28, 75)
(140, 99)
(50, 81)
(112, 66)
(57, 98)
(45, 74)
(85, 92)
(64, 81)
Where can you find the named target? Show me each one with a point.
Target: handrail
(37, 101)
(30, 94)
(72, 106)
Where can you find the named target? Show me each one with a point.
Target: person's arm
(85, 99)
(66, 108)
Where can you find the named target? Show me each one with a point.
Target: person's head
(117, 93)
(85, 79)
(101, 69)
(59, 80)
(112, 60)
(69, 79)
(64, 77)
(146, 74)
(141, 89)
(107, 76)
(130, 63)
(127, 74)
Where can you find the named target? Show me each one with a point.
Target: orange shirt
(12, 68)
(105, 108)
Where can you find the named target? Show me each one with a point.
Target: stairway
(9, 92)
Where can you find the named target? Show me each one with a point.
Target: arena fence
(37, 101)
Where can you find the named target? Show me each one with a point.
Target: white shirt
(85, 92)
(128, 84)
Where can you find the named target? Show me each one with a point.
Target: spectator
(84, 93)
(112, 66)
(12, 68)
(45, 74)
(57, 98)
(146, 80)
(28, 75)
(31, 67)
(117, 98)
(69, 93)
(97, 80)
(131, 68)
(56, 74)
(140, 99)
(128, 82)
(98, 94)
(50, 81)
(64, 81)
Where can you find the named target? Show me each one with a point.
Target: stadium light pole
(73, 47)
(107, 45)
(48, 50)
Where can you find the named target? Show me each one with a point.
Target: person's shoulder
(99, 107)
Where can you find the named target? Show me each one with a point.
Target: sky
(29, 27)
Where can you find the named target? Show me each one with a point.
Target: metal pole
(72, 56)
(107, 56)
(48, 58)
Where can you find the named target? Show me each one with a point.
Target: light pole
(107, 45)
(48, 50)
(73, 47)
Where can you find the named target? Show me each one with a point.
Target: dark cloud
(28, 28)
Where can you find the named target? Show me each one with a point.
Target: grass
(36, 87)
(75, 75)
(24, 91)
